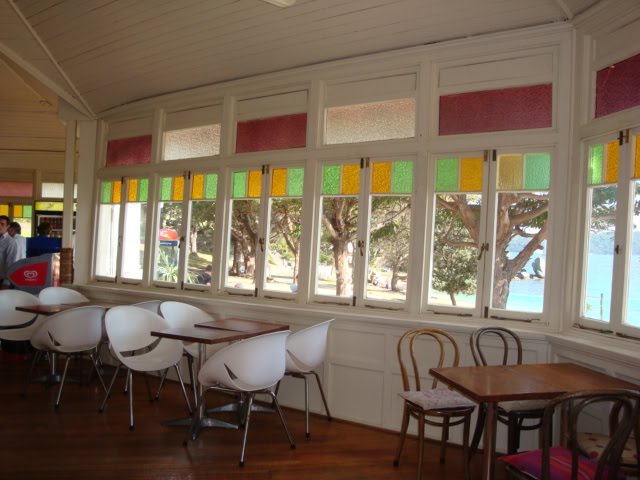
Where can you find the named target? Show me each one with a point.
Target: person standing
(8, 251)
(15, 231)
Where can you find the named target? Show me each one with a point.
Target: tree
(244, 235)
(286, 220)
(203, 219)
(340, 221)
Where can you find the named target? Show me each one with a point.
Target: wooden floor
(77, 442)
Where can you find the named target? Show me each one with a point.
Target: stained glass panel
(129, 151)
(596, 163)
(132, 188)
(331, 180)
(255, 183)
(239, 184)
(27, 211)
(143, 190)
(117, 190)
(537, 171)
(447, 175)
(178, 189)
(279, 182)
(350, 179)
(192, 142)
(4, 209)
(636, 169)
(165, 189)
(274, 133)
(296, 182)
(16, 189)
(402, 178)
(471, 172)
(618, 86)
(17, 210)
(381, 177)
(211, 186)
(105, 196)
(613, 153)
(509, 172)
(197, 187)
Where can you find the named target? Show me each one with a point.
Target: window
(169, 232)
(22, 214)
(364, 235)
(489, 231)
(611, 265)
(113, 201)
(192, 133)
(56, 190)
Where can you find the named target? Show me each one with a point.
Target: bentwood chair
(247, 367)
(512, 414)
(55, 295)
(129, 330)
(439, 407)
(71, 333)
(566, 460)
(306, 350)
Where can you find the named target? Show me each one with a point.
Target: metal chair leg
(284, 423)
(34, 361)
(130, 382)
(64, 375)
(246, 428)
(163, 377)
(306, 406)
(184, 391)
(324, 399)
(95, 366)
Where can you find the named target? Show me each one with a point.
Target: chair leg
(34, 361)
(443, 439)
(420, 443)
(64, 375)
(246, 428)
(465, 446)
(130, 383)
(184, 391)
(146, 381)
(192, 378)
(284, 423)
(513, 432)
(108, 394)
(163, 377)
(306, 406)
(477, 433)
(95, 366)
(324, 399)
(403, 433)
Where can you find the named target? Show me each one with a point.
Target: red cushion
(560, 463)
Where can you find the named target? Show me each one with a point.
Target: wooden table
(501, 383)
(48, 310)
(207, 334)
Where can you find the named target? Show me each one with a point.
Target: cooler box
(35, 273)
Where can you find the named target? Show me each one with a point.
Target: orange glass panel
(509, 172)
(636, 168)
(350, 179)
(381, 177)
(17, 210)
(4, 210)
(117, 191)
(132, 190)
(255, 179)
(279, 182)
(197, 187)
(178, 189)
(613, 155)
(471, 170)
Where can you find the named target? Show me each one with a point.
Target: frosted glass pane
(447, 175)
(371, 121)
(471, 171)
(537, 171)
(53, 190)
(613, 153)
(596, 161)
(192, 142)
(381, 177)
(509, 172)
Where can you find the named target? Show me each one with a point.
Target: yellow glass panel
(471, 170)
(4, 210)
(350, 179)
(117, 191)
(381, 177)
(613, 155)
(636, 168)
(197, 187)
(177, 193)
(17, 210)
(132, 190)
(279, 182)
(255, 180)
(510, 172)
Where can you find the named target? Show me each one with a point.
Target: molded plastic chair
(56, 295)
(14, 325)
(129, 330)
(152, 305)
(249, 367)
(512, 414)
(72, 332)
(442, 408)
(566, 461)
(306, 350)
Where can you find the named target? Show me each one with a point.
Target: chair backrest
(253, 364)
(9, 316)
(180, 315)
(78, 328)
(509, 341)
(415, 349)
(152, 305)
(129, 329)
(55, 295)
(307, 348)
(626, 402)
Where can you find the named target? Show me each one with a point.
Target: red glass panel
(16, 189)
(516, 108)
(618, 86)
(275, 133)
(129, 151)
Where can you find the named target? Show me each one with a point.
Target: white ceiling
(99, 54)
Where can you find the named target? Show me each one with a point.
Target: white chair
(247, 367)
(306, 350)
(14, 325)
(72, 332)
(151, 305)
(56, 295)
(129, 330)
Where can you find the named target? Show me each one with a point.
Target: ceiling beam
(565, 8)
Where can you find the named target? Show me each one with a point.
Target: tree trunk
(394, 280)
(453, 298)
(235, 267)
(341, 261)
(501, 281)
(193, 238)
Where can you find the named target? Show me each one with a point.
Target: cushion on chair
(593, 444)
(560, 460)
(437, 399)
(523, 405)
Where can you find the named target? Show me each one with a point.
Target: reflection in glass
(169, 231)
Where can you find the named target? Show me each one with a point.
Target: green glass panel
(211, 186)
(295, 182)
(106, 192)
(165, 189)
(402, 177)
(331, 180)
(596, 160)
(143, 190)
(27, 211)
(537, 171)
(239, 185)
(447, 175)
